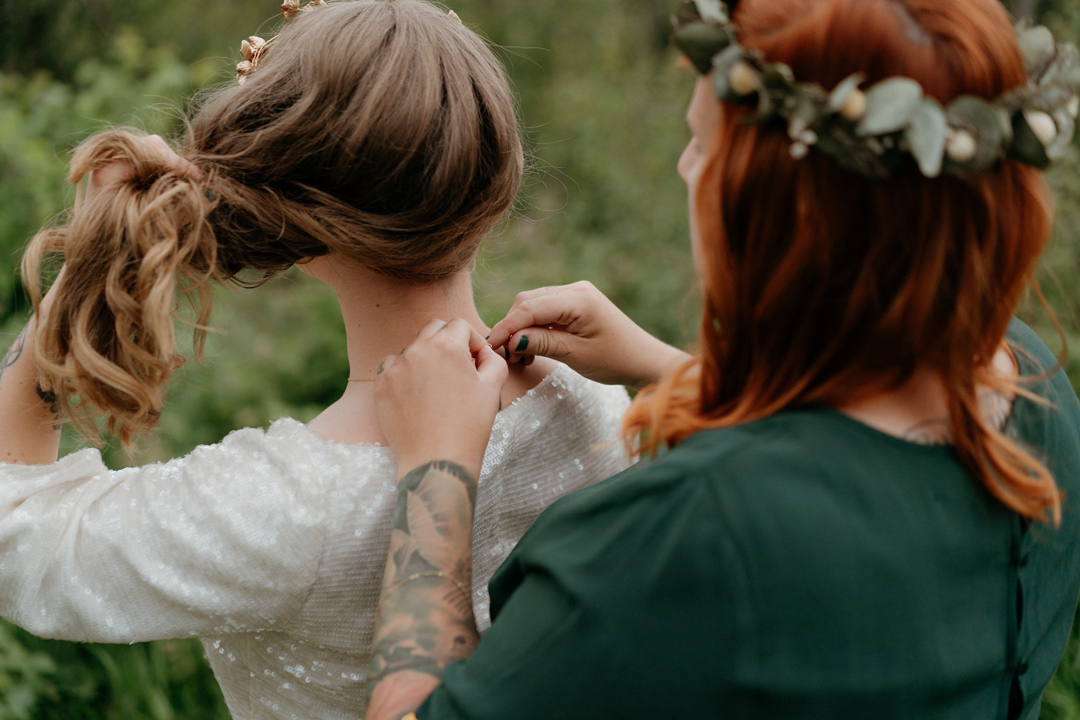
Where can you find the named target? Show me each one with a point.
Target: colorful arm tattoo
(425, 615)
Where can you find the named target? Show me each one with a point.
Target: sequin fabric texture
(270, 545)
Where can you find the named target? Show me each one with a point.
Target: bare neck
(917, 411)
(382, 316)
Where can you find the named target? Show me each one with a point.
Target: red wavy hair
(823, 288)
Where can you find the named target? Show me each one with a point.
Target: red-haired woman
(867, 505)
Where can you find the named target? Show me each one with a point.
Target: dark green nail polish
(506, 353)
(522, 344)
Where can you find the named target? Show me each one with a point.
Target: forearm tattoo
(425, 616)
(48, 397)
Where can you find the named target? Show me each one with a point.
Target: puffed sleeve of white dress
(226, 539)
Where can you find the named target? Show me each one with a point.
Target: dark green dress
(803, 566)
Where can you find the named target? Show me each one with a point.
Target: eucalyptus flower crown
(254, 47)
(871, 131)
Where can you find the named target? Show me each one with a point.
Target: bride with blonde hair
(373, 145)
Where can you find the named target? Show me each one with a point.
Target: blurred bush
(603, 104)
(41, 118)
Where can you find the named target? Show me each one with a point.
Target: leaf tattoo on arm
(425, 616)
(14, 353)
(48, 397)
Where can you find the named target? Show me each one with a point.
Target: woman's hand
(436, 403)
(437, 400)
(576, 324)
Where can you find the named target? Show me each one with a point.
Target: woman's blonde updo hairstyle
(384, 132)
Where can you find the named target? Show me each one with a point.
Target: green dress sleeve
(805, 567)
(589, 603)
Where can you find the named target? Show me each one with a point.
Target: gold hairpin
(253, 48)
(289, 8)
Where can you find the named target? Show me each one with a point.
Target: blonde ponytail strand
(107, 345)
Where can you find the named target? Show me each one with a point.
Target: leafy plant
(603, 102)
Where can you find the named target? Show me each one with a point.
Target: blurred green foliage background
(602, 101)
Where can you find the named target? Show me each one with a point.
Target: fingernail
(522, 344)
(379, 371)
(506, 352)
(488, 336)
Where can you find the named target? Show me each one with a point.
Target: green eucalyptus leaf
(1037, 46)
(840, 93)
(1061, 71)
(1005, 124)
(711, 11)
(805, 110)
(687, 12)
(700, 42)
(857, 156)
(1072, 77)
(721, 87)
(778, 76)
(1067, 66)
(1048, 98)
(1066, 126)
(890, 105)
(766, 110)
(984, 121)
(926, 137)
(721, 69)
(979, 116)
(1025, 146)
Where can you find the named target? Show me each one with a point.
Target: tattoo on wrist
(425, 616)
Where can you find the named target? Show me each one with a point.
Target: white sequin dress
(270, 545)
